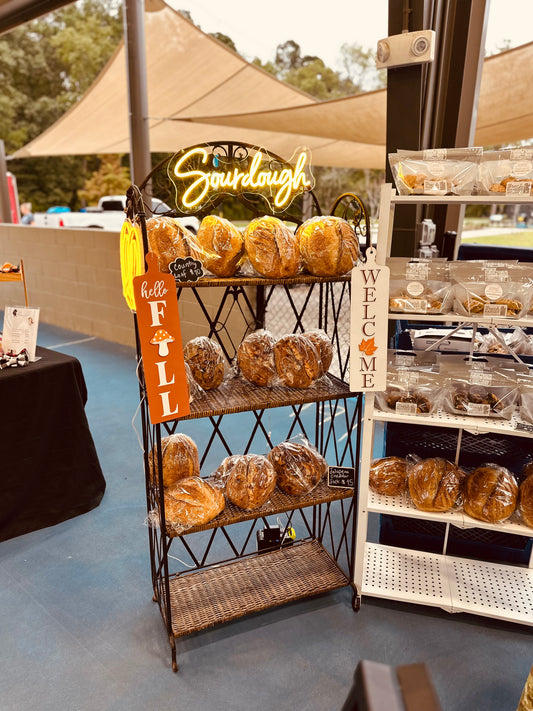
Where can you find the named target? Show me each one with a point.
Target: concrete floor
(79, 630)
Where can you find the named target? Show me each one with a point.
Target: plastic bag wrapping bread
(506, 172)
(490, 289)
(525, 387)
(445, 171)
(248, 480)
(205, 358)
(180, 460)
(299, 467)
(329, 246)
(479, 388)
(169, 240)
(388, 476)
(419, 286)
(410, 391)
(490, 493)
(195, 391)
(293, 360)
(222, 246)
(271, 248)
(435, 484)
(190, 502)
(525, 501)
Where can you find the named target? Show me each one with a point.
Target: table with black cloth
(49, 468)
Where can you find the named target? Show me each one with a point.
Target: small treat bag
(419, 286)
(525, 386)
(506, 172)
(491, 290)
(443, 171)
(410, 392)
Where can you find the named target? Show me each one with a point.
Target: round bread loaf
(224, 469)
(272, 248)
(388, 476)
(180, 459)
(251, 481)
(322, 343)
(299, 467)
(490, 493)
(527, 470)
(525, 501)
(434, 484)
(255, 358)
(329, 246)
(195, 391)
(169, 240)
(206, 361)
(297, 361)
(221, 245)
(192, 502)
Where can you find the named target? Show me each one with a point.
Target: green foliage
(111, 178)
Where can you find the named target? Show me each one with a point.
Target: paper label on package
(369, 325)
(20, 330)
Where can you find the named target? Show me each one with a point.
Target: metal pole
(5, 207)
(140, 164)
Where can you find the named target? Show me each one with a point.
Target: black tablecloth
(49, 468)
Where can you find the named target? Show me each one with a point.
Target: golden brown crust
(525, 501)
(180, 459)
(192, 502)
(434, 484)
(388, 476)
(490, 493)
(299, 467)
(297, 361)
(221, 245)
(322, 343)
(251, 481)
(206, 361)
(255, 358)
(272, 248)
(329, 246)
(168, 240)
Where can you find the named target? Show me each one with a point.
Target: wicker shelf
(259, 281)
(211, 596)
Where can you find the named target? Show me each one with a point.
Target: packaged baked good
(434, 484)
(329, 246)
(506, 172)
(205, 358)
(525, 388)
(298, 363)
(436, 171)
(419, 286)
(525, 501)
(222, 245)
(410, 391)
(169, 240)
(179, 456)
(195, 390)
(272, 248)
(322, 342)
(299, 467)
(192, 502)
(255, 358)
(490, 493)
(489, 289)
(388, 476)
(250, 480)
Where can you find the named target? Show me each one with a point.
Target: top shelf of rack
(460, 199)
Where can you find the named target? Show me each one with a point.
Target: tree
(111, 178)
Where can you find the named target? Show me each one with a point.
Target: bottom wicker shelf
(220, 594)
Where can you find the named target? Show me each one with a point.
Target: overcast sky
(321, 28)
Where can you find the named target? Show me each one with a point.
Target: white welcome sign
(369, 325)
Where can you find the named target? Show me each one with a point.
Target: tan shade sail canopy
(199, 90)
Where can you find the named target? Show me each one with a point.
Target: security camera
(406, 48)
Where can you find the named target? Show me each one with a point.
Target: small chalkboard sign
(343, 477)
(186, 269)
(523, 427)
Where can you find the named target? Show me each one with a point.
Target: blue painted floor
(79, 630)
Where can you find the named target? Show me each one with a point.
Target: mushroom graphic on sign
(161, 339)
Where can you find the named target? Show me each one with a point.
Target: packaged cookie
(525, 387)
(506, 172)
(483, 289)
(440, 171)
(419, 286)
(410, 392)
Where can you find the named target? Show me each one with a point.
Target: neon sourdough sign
(199, 175)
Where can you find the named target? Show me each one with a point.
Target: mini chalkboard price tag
(342, 477)
(524, 427)
(186, 269)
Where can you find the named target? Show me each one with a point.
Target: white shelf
(461, 199)
(403, 506)
(455, 584)
(475, 425)
(504, 321)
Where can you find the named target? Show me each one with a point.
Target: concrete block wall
(73, 276)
